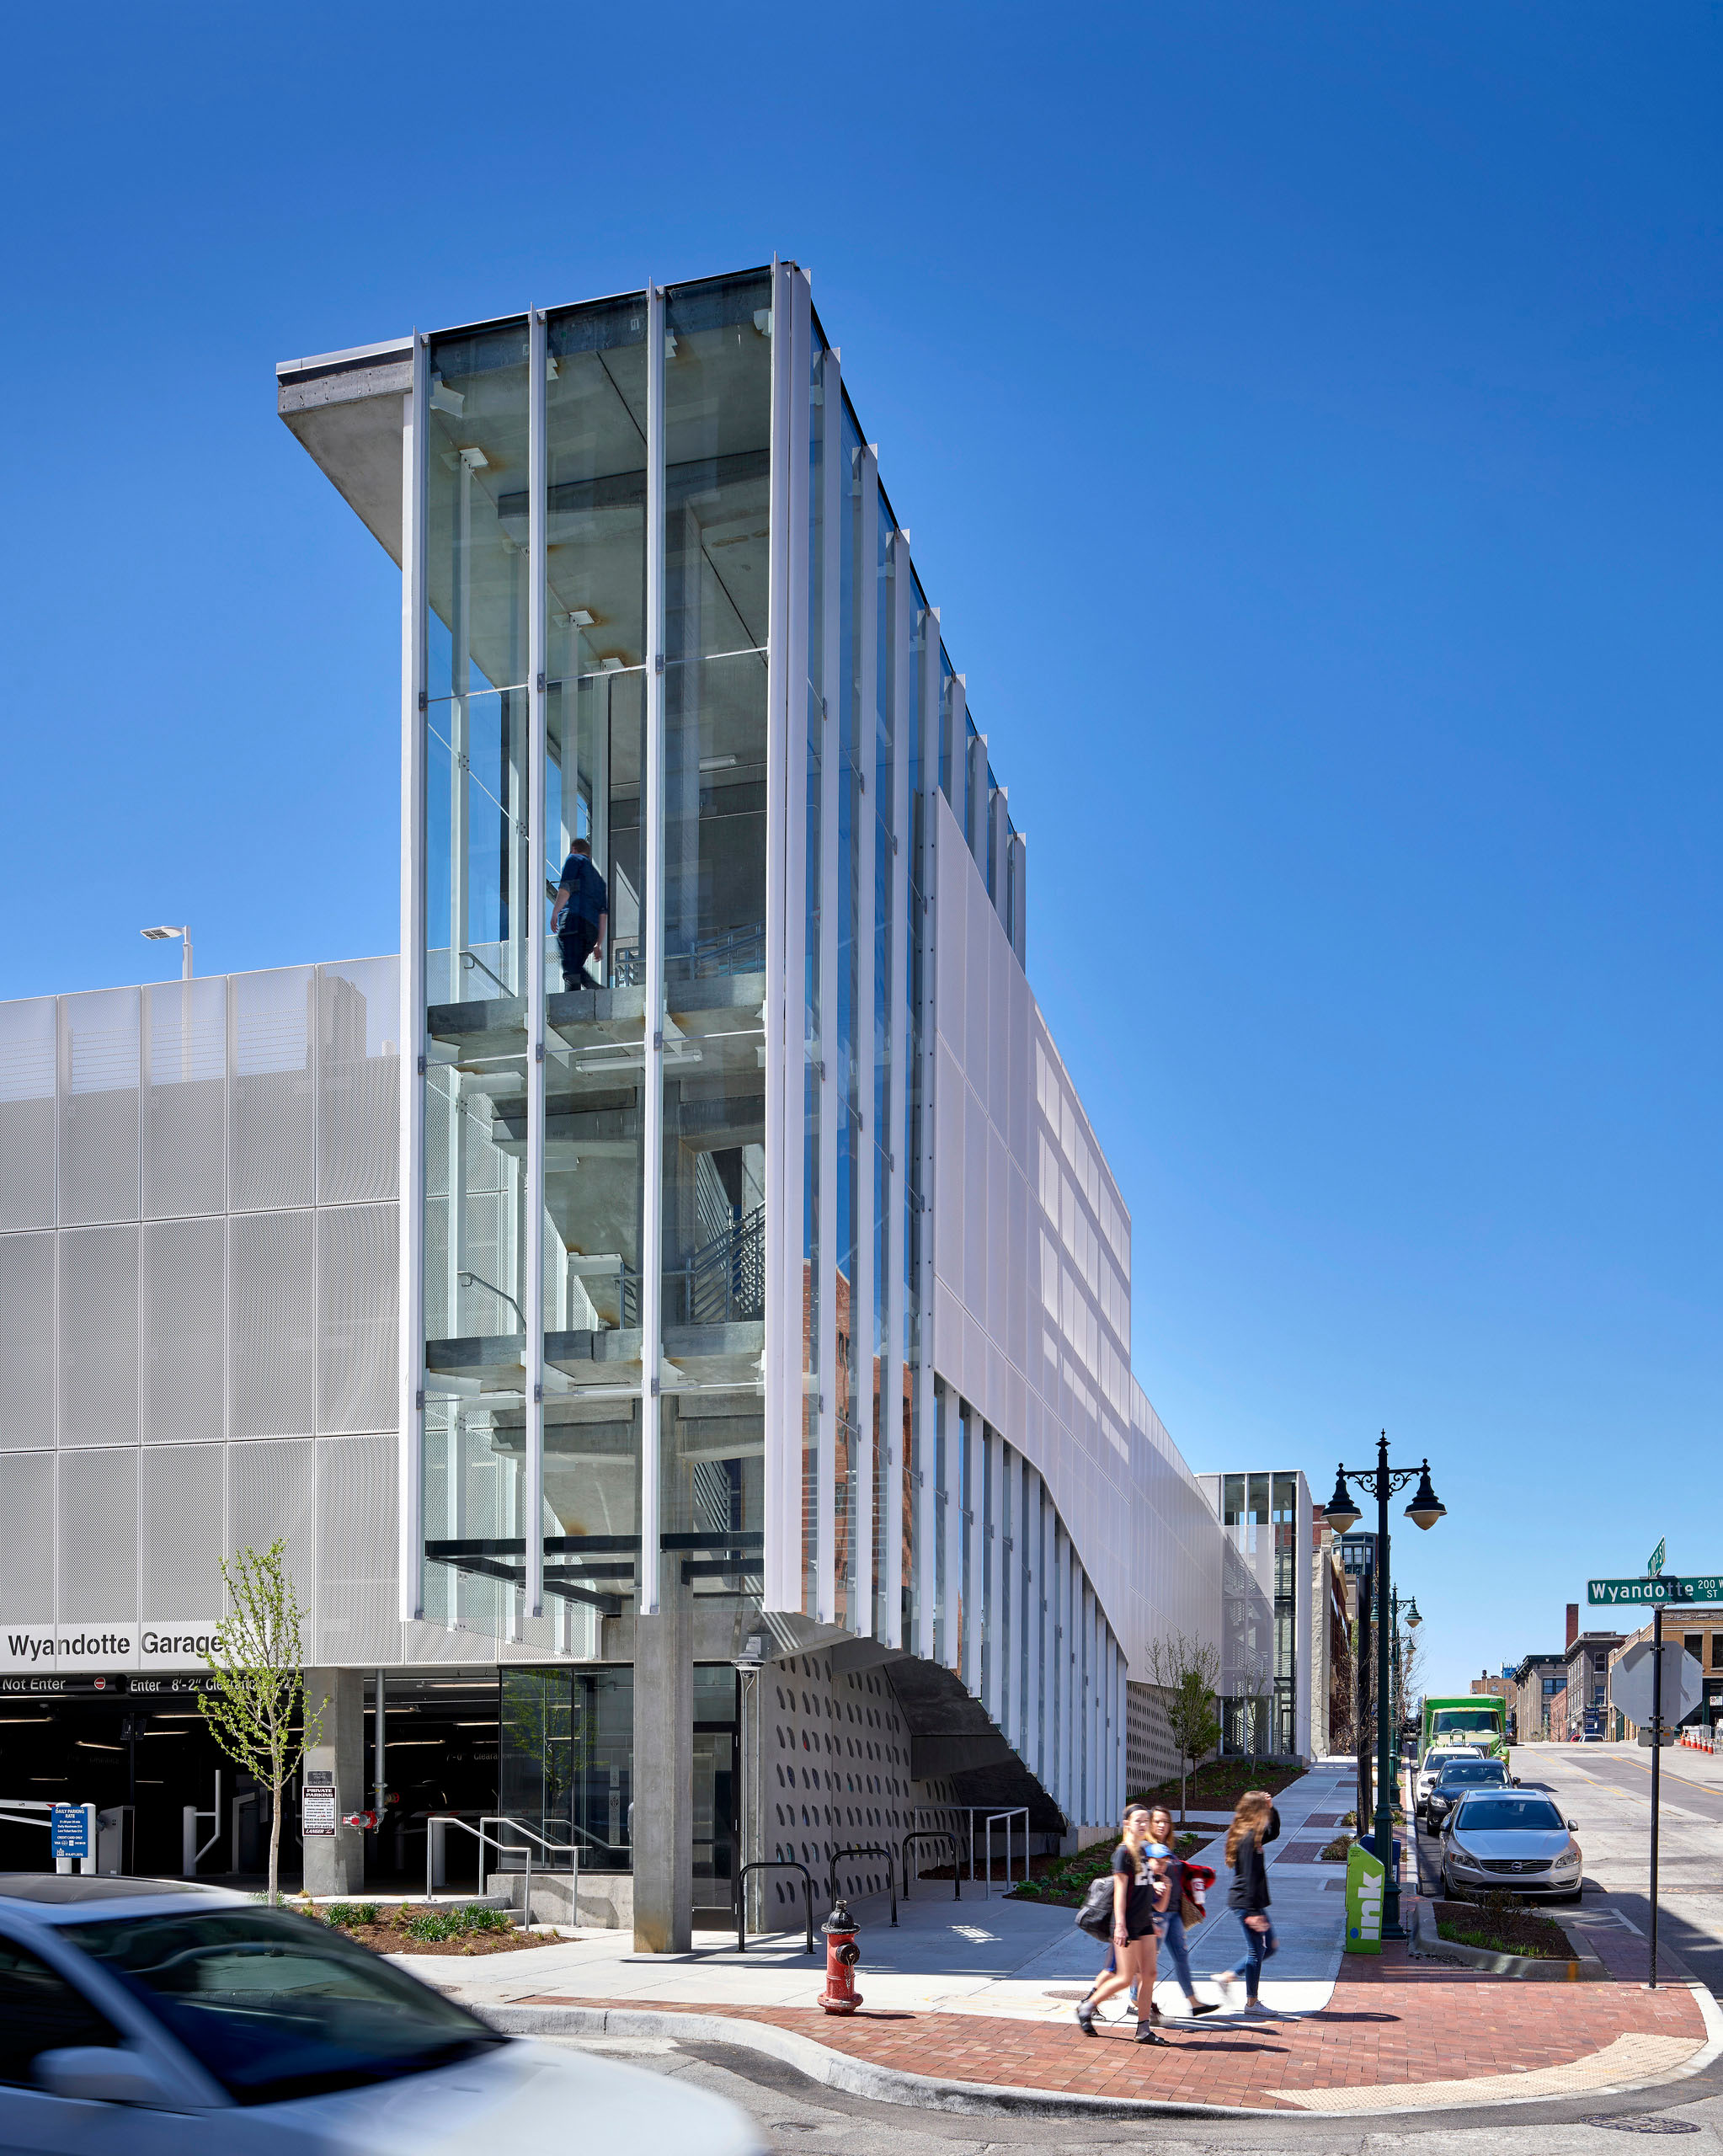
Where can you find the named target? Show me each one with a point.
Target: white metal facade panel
(358, 1267)
(185, 1098)
(99, 1323)
(28, 1054)
(27, 1387)
(97, 1549)
(359, 1083)
(183, 1504)
(98, 1106)
(356, 1617)
(27, 1513)
(272, 1325)
(272, 1089)
(184, 1332)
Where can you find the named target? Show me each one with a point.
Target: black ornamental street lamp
(1381, 1481)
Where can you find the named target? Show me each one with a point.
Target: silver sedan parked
(1510, 1841)
(151, 2019)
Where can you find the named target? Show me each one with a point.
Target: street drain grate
(1639, 2122)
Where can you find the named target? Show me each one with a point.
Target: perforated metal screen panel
(356, 1596)
(272, 1321)
(271, 1492)
(98, 1106)
(185, 1331)
(28, 1056)
(358, 1295)
(27, 1340)
(359, 1080)
(272, 1099)
(185, 1098)
(184, 1507)
(98, 1535)
(27, 1536)
(99, 1290)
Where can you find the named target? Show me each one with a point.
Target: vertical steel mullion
(532, 1197)
(652, 1105)
(864, 1322)
(897, 1135)
(1000, 811)
(785, 935)
(1020, 898)
(831, 735)
(957, 736)
(933, 721)
(414, 415)
(980, 807)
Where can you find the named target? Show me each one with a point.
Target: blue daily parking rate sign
(69, 1830)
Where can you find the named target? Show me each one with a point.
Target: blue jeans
(1170, 1930)
(1258, 1947)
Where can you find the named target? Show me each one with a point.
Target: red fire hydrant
(841, 1995)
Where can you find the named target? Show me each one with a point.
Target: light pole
(166, 936)
(1426, 1508)
(1400, 1652)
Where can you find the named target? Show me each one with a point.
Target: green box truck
(1478, 1720)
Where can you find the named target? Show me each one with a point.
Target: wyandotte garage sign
(117, 1644)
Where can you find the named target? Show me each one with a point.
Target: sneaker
(1205, 2006)
(1085, 2019)
(1149, 2034)
(1260, 2013)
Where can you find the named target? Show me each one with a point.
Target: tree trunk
(1184, 1780)
(274, 1847)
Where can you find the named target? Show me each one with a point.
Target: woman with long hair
(1172, 1878)
(1249, 1895)
(1134, 1898)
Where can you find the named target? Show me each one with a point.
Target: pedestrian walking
(1248, 1895)
(1133, 1897)
(581, 912)
(1175, 1882)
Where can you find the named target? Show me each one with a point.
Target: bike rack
(932, 1835)
(866, 1848)
(739, 1894)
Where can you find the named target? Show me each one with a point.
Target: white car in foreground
(146, 2018)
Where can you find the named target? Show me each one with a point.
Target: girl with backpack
(1133, 1897)
(1249, 1895)
(1180, 1888)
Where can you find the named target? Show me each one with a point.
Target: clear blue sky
(1308, 418)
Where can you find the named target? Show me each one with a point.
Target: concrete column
(335, 1864)
(663, 1781)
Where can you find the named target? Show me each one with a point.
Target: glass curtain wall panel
(480, 909)
(566, 1762)
(716, 575)
(887, 1414)
(812, 1032)
(853, 732)
(593, 918)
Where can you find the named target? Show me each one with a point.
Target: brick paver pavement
(1389, 2022)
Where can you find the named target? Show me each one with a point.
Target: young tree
(260, 1682)
(1187, 1671)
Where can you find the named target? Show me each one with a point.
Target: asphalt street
(1606, 1789)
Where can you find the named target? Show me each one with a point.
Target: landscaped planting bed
(427, 1927)
(1501, 1926)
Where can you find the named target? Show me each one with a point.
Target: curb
(1581, 1966)
(888, 2084)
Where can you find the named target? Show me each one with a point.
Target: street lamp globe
(1342, 1514)
(1426, 1508)
(1412, 1618)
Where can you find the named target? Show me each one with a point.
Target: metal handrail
(932, 1835)
(866, 1848)
(738, 1893)
(1011, 1812)
(433, 1842)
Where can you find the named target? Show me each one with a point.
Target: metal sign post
(1657, 1761)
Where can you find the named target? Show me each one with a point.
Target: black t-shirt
(1139, 1897)
(588, 899)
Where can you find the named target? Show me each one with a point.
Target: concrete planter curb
(1582, 1967)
